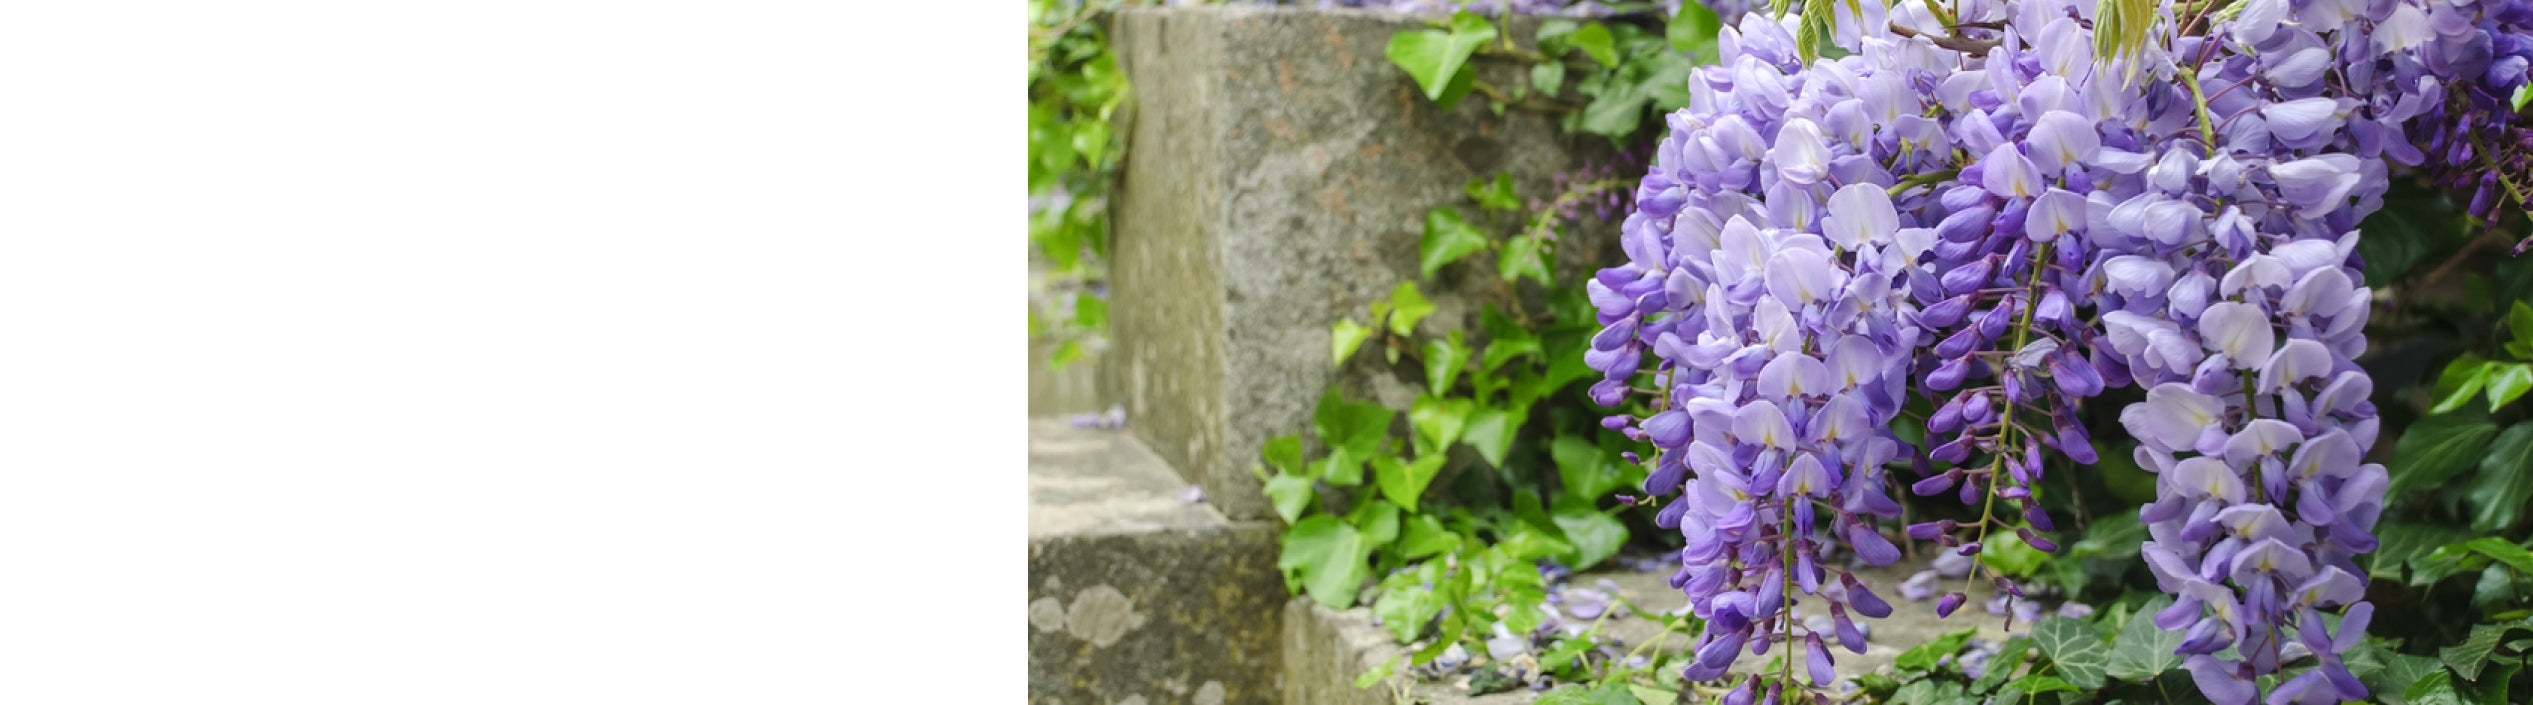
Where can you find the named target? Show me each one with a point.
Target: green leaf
(1357, 427)
(1435, 57)
(2000, 667)
(2416, 225)
(1403, 482)
(2523, 94)
(1291, 494)
(1377, 521)
(1342, 467)
(1524, 256)
(2460, 381)
(2008, 554)
(1377, 673)
(2499, 549)
(2400, 672)
(1595, 41)
(1583, 467)
(2468, 657)
(2520, 323)
(1344, 337)
(1923, 656)
(2036, 684)
(1447, 238)
(1616, 111)
(1407, 307)
(1283, 453)
(1444, 358)
(1438, 422)
(1595, 536)
(1496, 195)
(1547, 77)
(1326, 557)
(1425, 536)
(2508, 380)
(1491, 432)
(1653, 696)
(2144, 650)
(2404, 542)
(1610, 693)
(2505, 483)
(2075, 648)
(2436, 448)
(1694, 31)
(2435, 689)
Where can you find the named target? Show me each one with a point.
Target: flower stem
(2207, 127)
(2005, 431)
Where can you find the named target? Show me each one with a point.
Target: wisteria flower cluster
(1980, 211)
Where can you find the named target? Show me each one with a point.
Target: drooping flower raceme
(1985, 215)
(1765, 274)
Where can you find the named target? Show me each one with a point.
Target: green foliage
(2144, 650)
(1447, 238)
(1439, 58)
(2505, 483)
(1075, 89)
(2076, 648)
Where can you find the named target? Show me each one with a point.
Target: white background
(511, 352)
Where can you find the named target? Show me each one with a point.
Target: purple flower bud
(1951, 602)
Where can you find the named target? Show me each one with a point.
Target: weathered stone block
(1278, 170)
(1136, 593)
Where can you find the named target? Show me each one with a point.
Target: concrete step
(1137, 595)
(1326, 649)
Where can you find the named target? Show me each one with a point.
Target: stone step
(1277, 173)
(1136, 594)
(1326, 649)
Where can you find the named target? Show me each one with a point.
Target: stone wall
(1278, 170)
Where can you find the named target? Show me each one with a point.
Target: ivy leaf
(1694, 31)
(2469, 657)
(2008, 554)
(2034, 685)
(1426, 536)
(1438, 422)
(1583, 467)
(2001, 666)
(2497, 548)
(1377, 521)
(1407, 307)
(1447, 239)
(2505, 482)
(2400, 672)
(1491, 432)
(2459, 382)
(1342, 467)
(1291, 494)
(1496, 195)
(2435, 689)
(1546, 78)
(2076, 648)
(2144, 650)
(1616, 111)
(1326, 557)
(2506, 381)
(2436, 448)
(2520, 324)
(1922, 657)
(1596, 42)
(1344, 337)
(1610, 693)
(1435, 58)
(1523, 256)
(1356, 427)
(1383, 671)
(1444, 359)
(1403, 482)
(2404, 542)
(1284, 453)
(1595, 536)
